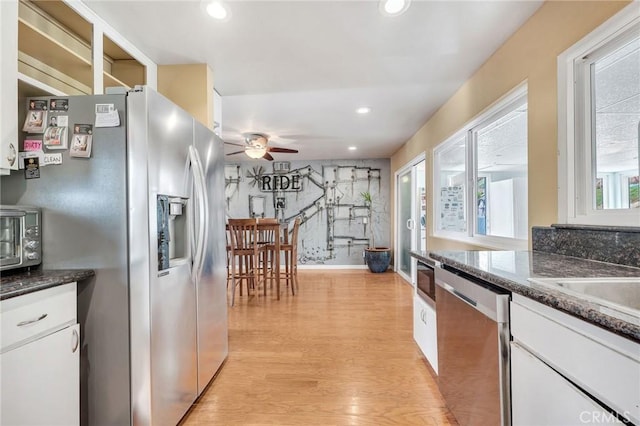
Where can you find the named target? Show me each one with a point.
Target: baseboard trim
(332, 266)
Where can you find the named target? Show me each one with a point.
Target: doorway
(411, 217)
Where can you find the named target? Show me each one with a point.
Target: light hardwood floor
(340, 352)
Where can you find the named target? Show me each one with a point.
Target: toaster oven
(20, 237)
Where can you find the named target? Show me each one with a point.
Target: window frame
(503, 106)
(576, 172)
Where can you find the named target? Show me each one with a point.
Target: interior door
(405, 223)
(411, 217)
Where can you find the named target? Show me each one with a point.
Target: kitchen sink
(617, 297)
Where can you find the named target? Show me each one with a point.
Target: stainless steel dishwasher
(473, 349)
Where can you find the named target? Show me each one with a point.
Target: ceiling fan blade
(237, 152)
(235, 144)
(267, 156)
(276, 149)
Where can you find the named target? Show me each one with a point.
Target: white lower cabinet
(540, 396)
(40, 358)
(564, 371)
(40, 381)
(424, 330)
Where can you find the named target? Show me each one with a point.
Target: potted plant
(377, 258)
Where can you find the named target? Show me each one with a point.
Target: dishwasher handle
(493, 304)
(465, 298)
(459, 295)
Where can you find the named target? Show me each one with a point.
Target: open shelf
(120, 68)
(111, 81)
(51, 53)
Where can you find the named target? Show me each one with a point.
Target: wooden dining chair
(227, 237)
(246, 254)
(290, 249)
(267, 237)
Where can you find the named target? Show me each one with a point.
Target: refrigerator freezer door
(84, 226)
(211, 281)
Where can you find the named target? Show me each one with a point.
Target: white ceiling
(297, 70)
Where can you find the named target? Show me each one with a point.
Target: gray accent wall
(325, 194)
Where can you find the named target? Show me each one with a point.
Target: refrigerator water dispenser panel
(162, 209)
(173, 228)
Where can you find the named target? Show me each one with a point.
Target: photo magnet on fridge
(81, 141)
(81, 146)
(32, 168)
(82, 129)
(55, 138)
(36, 120)
(59, 104)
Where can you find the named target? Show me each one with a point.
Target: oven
(426, 283)
(424, 311)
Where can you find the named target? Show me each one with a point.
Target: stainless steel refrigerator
(146, 212)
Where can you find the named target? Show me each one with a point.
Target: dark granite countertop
(20, 283)
(596, 227)
(511, 270)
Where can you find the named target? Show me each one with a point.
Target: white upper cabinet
(8, 86)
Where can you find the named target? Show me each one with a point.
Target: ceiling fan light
(256, 152)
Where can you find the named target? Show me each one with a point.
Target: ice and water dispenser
(173, 231)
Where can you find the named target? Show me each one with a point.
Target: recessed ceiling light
(363, 110)
(352, 148)
(393, 7)
(218, 10)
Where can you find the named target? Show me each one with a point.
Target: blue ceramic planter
(378, 259)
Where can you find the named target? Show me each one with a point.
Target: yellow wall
(530, 54)
(191, 87)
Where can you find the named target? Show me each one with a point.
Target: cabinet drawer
(604, 364)
(28, 317)
(560, 404)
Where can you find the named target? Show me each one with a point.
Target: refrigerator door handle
(199, 228)
(204, 212)
(198, 219)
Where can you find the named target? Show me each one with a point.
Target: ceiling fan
(255, 146)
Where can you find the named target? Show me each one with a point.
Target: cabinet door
(541, 396)
(9, 86)
(419, 332)
(41, 381)
(431, 338)
(424, 331)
